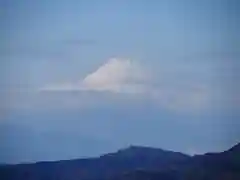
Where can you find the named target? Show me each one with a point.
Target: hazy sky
(81, 78)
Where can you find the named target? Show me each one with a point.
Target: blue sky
(80, 78)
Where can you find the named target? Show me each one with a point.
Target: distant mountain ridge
(134, 162)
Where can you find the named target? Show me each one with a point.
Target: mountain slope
(133, 163)
(104, 167)
(211, 166)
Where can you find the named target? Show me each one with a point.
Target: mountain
(134, 162)
(105, 166)
(210, 166)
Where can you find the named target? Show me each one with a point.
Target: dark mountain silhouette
(210, 166)
(133, 163)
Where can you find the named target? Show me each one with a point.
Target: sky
(83, 78)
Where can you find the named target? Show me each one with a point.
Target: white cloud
(117, 75)
(128, 77)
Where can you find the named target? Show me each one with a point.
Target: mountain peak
(135, 151)
(137, 147)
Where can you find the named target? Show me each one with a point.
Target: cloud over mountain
(124, 76)
(116, 75)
